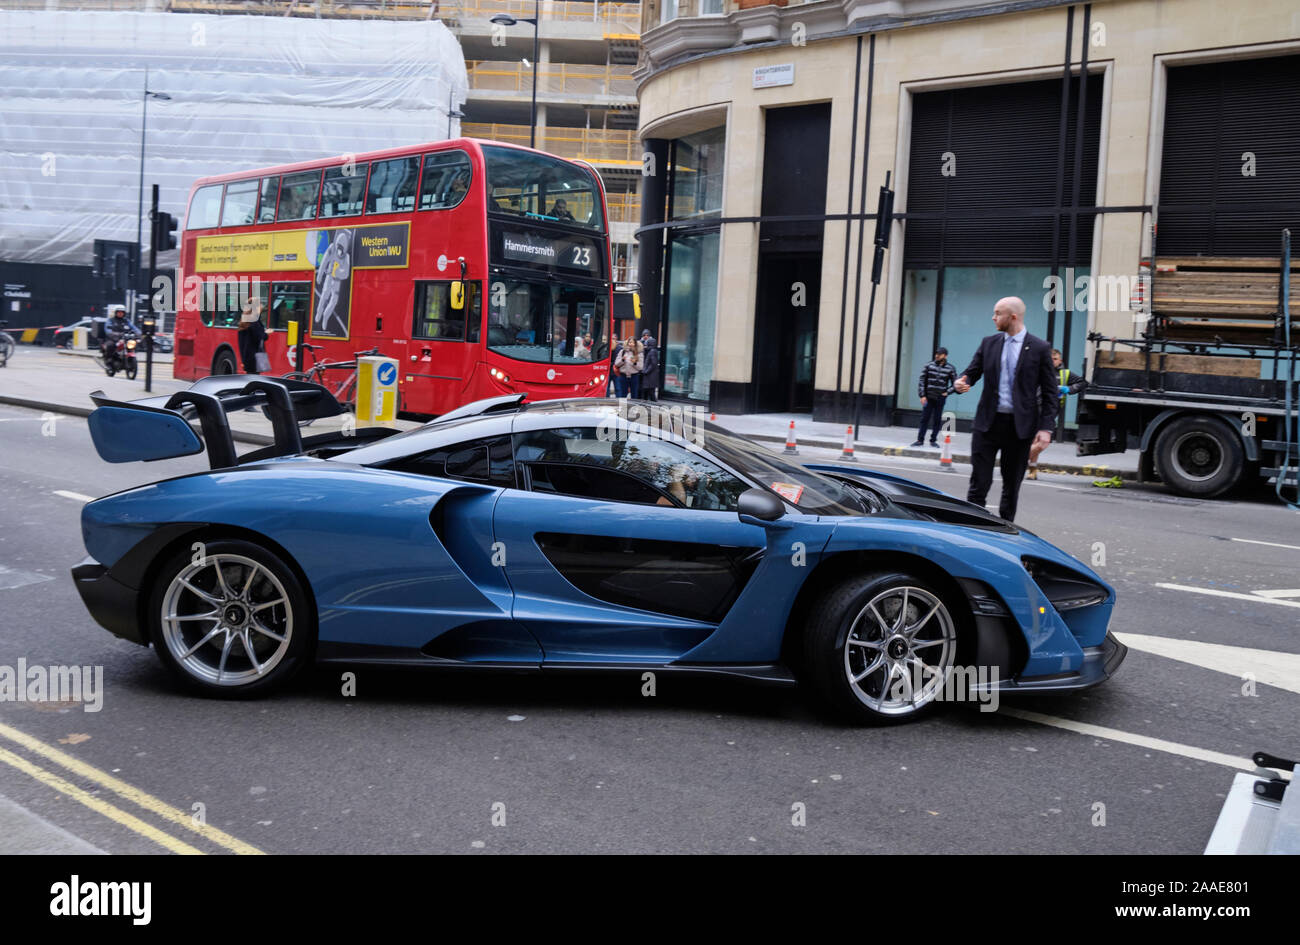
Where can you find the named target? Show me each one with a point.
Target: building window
(697, 166)
(669, 11)
(692, 288)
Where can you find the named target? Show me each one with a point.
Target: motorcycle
(121, 357)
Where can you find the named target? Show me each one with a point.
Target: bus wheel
(224, 363)
(1199, 456)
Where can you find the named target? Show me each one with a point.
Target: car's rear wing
(159, 427)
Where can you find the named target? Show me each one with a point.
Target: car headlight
(1066, 589)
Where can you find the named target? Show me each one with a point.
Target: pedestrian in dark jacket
(650, 371)
(252, 336)
(934, 386)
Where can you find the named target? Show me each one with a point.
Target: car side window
(578, 461)
(487, 461)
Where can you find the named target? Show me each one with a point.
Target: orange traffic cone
(791, 446)
(713, 418)
(945, 457)
(847, 456)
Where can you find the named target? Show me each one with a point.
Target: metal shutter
(1005, 139)
(1213, 114)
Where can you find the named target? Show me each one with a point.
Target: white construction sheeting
(243, 92)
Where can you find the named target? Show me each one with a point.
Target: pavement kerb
(1094, 470)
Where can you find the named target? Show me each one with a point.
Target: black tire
(66, 343)
(131, 371)
(1199, 456)
(827, 658)
(224, 362)
(109, 369)
(273, 660)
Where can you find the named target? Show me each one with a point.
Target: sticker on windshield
(788, 490)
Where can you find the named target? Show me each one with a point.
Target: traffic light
(164, 231)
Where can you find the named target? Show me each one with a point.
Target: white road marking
(77, 496)
(13, 577)
(1130, 738)
(1274, 545)
(1234, 595)
(1267, 666)
(1293, 592)
(1271, 544)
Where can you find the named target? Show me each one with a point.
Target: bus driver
(334, 270)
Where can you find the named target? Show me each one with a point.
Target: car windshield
(808, 491)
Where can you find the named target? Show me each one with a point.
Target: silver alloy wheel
(1197, 456)
(900, 650)
(227, 620)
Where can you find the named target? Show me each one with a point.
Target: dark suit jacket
(1033, 390)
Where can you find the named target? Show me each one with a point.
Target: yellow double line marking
(121, 789)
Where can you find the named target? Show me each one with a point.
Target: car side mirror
(759, 507)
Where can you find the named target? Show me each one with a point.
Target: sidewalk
(772, 428)
(44, 379)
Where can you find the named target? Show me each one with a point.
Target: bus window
(445, 180)
(241, 203)
(289, 302)
(221, 300)
(436, 319)
(298, 195)
(270, 191)
(205, 208)
(542, 187)
(343, 194)
(392, 185)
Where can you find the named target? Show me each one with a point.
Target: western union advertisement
(380, 246)
(331, 254)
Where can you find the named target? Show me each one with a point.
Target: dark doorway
(785, 331)
(796, 149)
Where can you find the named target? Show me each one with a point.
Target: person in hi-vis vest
(1068, 383)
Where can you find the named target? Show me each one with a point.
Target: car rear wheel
(879, 648)
(230, 620)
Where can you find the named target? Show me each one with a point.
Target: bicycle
(7, 345)
(344, 391)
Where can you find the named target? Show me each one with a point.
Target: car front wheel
(880, 648)
(230, 619)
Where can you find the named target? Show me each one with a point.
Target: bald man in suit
(1017, 407)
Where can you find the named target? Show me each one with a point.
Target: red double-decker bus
(483, 268)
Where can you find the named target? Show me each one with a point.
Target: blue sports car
(568, 535)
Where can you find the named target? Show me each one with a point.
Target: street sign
(767, 77)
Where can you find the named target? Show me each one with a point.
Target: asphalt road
(417, 763)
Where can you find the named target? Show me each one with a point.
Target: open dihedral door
(159, 427)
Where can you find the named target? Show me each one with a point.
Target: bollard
(376, 391)
(791, 446)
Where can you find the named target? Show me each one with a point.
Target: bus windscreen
(542, 188)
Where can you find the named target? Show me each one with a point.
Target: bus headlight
(501, 376)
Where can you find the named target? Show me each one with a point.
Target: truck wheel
(1200, 456)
